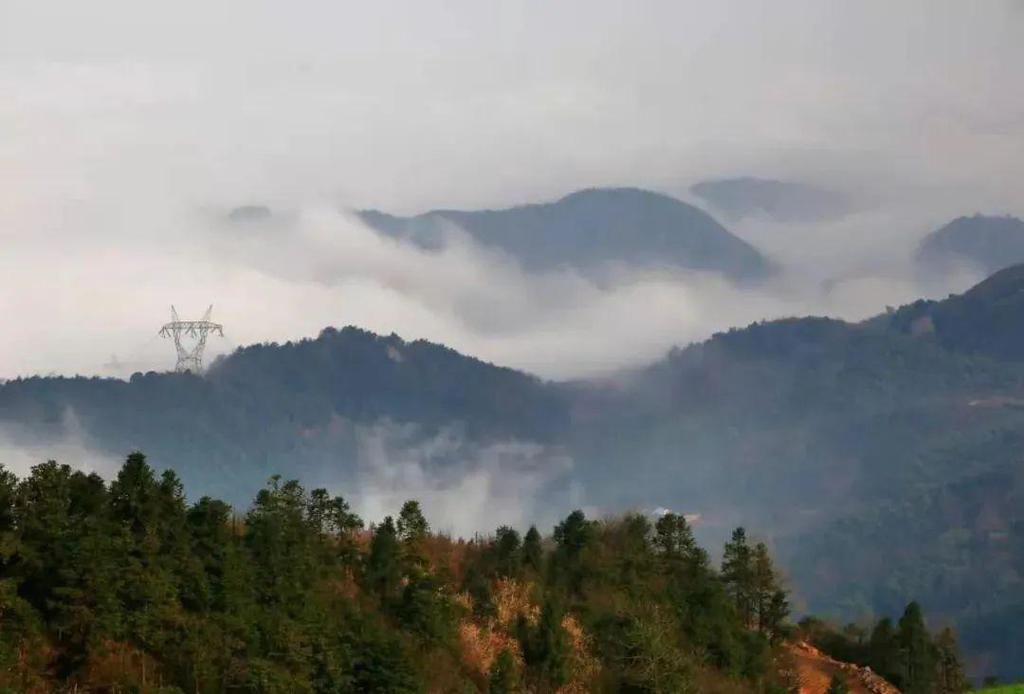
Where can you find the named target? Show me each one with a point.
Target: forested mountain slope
(291, 407)
(885, 460)
(126, 586)
(882, 458)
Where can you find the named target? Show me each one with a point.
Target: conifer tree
(546, 646)
(533, 552)
(384, 564)
(412, 526)
(768, 596)
(917, 656)
(950, 678)
(673, 537)
(738, 574)
(572, 536)
(883, 650)
(412, 529)
(507, 550)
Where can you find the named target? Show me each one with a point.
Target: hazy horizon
(128, 131)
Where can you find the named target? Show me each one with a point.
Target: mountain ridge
(989, 242)
(591, 227)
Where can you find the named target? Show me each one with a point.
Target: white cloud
(462, 487)
(21, 451)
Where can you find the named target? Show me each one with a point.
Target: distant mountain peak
(989, 242)
(590, 228)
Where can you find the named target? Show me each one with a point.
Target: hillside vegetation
(126, 587)
(880, 459)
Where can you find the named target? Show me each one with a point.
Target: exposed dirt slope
(815, 671)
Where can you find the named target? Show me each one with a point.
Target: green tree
(738, 575)
(572, 536)
(655, 658)
(883, 650)
(384, 564)
(507, 551)
(767, 594)
(280, 543)
(504, 677)
(916, 653)
(673, 537)
(412, 529)
(546, 646)
(424, 609)
(412, 526)
(951, 678)
(533, 552)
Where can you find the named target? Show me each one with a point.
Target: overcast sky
(125, 127)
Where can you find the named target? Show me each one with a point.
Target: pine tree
(572, 536)
(507, 550)
(533, 552)
(673, 537)
(280, 543)
(384, 564)
(769, 600)
(738, 574)
(951, 678)
(917, 655)
(883, 650)
(546, 646)
(412, 529)
(412, 526)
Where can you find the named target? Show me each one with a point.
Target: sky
(127, 131)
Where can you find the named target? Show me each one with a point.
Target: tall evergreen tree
(546, 646)
(883, 650)
(507, 551)
(533, 551)
(412, 526)
(950, 678)
(738, 574)
(767, 594)
(916, 653)
(673, 537)
(384, 564)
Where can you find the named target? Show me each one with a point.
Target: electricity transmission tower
(190, 355)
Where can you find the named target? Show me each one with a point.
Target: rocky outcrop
(815, 670)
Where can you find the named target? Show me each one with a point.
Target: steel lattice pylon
(190, 358)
